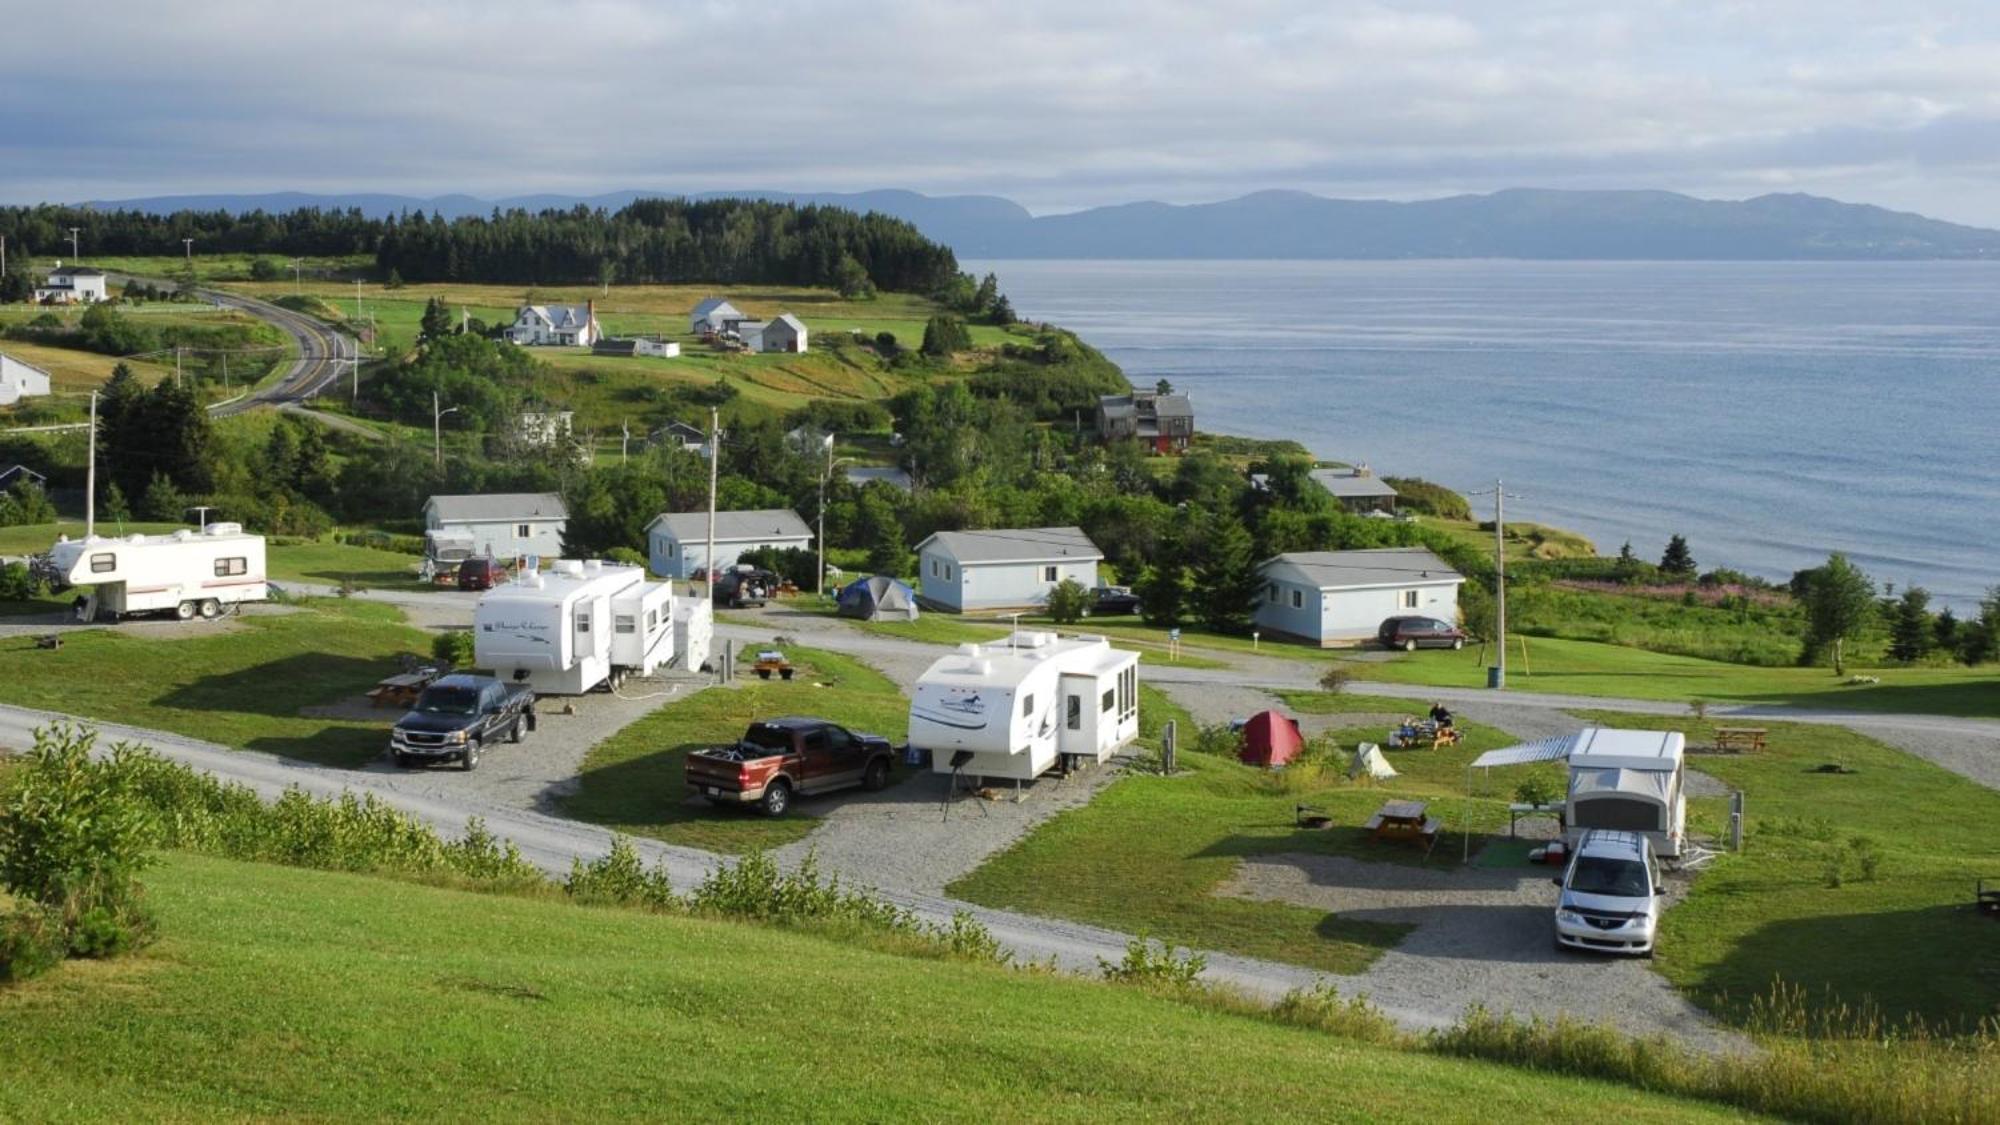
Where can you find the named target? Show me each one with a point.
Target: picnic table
(402, 689)
(1416, 733)
(1403, 820)
(769, 661)
(1736, 740)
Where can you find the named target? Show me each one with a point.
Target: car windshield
(449, 701)
(1604, 875)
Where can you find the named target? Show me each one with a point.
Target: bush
(1155, 966)
(1538, 789)
(31, 941)
(1068, 602)
(626, 555)
(1414, 494)
(454, 647)
(1323, 1009)
(18, 583)
(620, 878)
(1335, 679)
(1217, 740)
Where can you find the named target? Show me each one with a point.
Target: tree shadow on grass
(347, 747)
(279, 688)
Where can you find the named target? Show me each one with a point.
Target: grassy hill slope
(277, 991)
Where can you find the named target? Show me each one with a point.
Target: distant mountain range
(1517, 223)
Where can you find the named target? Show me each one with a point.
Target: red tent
(1271, 739)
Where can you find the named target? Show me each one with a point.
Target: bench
(49, 641)
(1736, 740)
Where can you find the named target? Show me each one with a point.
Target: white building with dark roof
(677, 542)
(20, 380)
(570, 326)
(987, 571)
(1342, 597)
(502, 525)
(72, 285)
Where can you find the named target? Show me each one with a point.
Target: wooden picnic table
(1403, 820)
(402, 689)
(1735, 740)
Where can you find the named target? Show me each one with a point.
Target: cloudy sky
(1058, 105)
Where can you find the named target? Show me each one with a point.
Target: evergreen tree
(114, 507)
(1911, 632)
(1979, 638)
(985, 295)
(1678, 561)
(436, 320)
(1838, 599)
(1163, 592)
(945, 334)
(1226, 581)
(1003, 311)
(1944, 629)
(395, 279)
(281, 457)
(163, 502)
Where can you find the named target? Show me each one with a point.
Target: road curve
(323, 353)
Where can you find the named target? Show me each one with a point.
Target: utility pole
(714, 459)
(73, 251)
(177, 366)
(90, 476)
(819, 587)
(187, 245)
(298, 286)
(625, 441)
(1497, 678)
(437, 430)
(3, 255)
(357, 306)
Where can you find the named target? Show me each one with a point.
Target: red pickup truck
(777, 759)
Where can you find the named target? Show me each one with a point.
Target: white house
(573, 326)
(714, 316)
(20, 380)
(979, 571)
(505, 525)
(71, 285)
(1341, 597)
(677, 542)
(783, 333)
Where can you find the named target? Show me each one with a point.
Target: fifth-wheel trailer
(187, 573)
(1013, 708)
(575, 626)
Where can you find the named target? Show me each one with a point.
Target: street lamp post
(820, 539)
(437, 430)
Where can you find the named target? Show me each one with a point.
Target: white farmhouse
(71, 285)
(677, 542)
(505, 525)
(983, 571)
(20, 380)
(714, 316)
(1342, 597)
(572, 326)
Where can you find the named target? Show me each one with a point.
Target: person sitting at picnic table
(1440, 715)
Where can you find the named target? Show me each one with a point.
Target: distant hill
(1517, 223)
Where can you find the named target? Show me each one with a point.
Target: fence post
(1736, 821)
(1168, 738)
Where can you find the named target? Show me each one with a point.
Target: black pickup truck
(458, 714)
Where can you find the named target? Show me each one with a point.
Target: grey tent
(877, 599)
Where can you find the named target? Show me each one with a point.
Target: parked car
(480, 574)
(1610, 897)
(777, 759)
(459, 714)
(745, 586)
(1413, 633)
(1111, 601)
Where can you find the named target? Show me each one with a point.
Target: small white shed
(1331, 598)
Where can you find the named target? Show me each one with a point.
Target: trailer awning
(1528, 753)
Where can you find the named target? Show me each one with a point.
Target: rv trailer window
(1110, 699)
(103, 564)
(624, 623)
(583, 622)
(1074, 719)
(1028, 706)
(226, 568)
(652, 619)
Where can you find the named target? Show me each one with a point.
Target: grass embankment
(282, 992)
(1162, 845)
(241, 683)
(368, 568)
(634, 781)
(1565, 667)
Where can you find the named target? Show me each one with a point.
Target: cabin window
(103, 564)
(1110, 700)
(1048, 574)
(947, 572)
(1298, 599)
(1128, 693)
(1028, 705)
(624, 623)
(1074, 716)
(229, 568)
(1271, 593)
(521, 531)
(583, 622)
(1409, 599)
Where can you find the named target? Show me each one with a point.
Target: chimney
(1362, 470)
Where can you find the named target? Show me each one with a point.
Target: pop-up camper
(187, 572)
(1010, 709)
(578, 624)
(1623, 780)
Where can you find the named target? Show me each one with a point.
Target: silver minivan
(1610, 895)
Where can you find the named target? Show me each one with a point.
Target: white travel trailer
(1013, 709)
(1630, 780)
(694, 630)
(574, 626)
(187, 573)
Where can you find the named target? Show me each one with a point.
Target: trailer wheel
(777, 798)
(211, 609)
(516, 732)
(184, 611)
(876, 777)
(470, 758)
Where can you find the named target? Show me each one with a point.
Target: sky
(1057, 105)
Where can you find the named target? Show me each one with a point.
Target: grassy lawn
(242, 687)
(1586, 668)
(278, 992)
(1161, 846)
(633, 781)
(369, 568)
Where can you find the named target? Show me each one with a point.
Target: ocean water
(1771, 412)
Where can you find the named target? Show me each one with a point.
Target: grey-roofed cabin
(1358, 489)
(714, 316)
(677, 542)
(1331, 598)
(504, 525)
(988, 571)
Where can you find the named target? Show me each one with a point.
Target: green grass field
(633, 781)
(368, 568)
(241, 686)
(1567, 667)
(1163, 845)
(278, 992)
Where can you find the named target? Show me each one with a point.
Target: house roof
(560, 316)
(616, 347)
(1117, 406)
(1173, 406)
(789, 321)
(24, 363)
(714, 305)
(14, 474)
(1025, 544)
(75, 271)
(1344, 484)
(1342, 570)
(862, 475)
(681, 430)
(734, 527)
(500, 506)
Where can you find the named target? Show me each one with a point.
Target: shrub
(31, 941)
(18, 583)
(1335, 679)
(1323, 1009)
(71, 830)
(1155, 966)
(626, 555)
(1415, 494)
(1068, 602)
(1218, 740)
(1537, 789)
(620, 878)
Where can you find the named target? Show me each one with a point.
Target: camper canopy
(1271, 739)
(877, 598)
